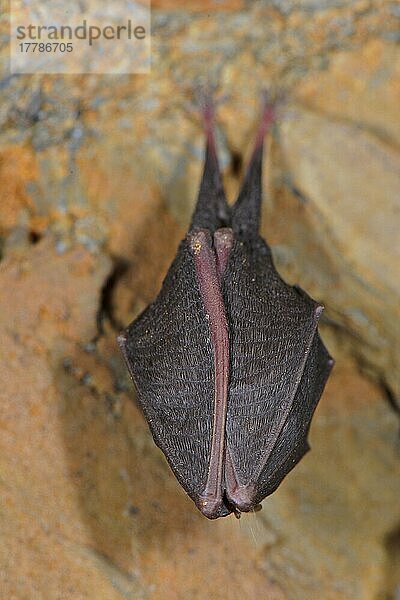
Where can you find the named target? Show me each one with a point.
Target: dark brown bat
(227, 361)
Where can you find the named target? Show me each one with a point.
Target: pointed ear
(212, 210)
(246, 210)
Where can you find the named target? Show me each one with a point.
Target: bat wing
(169, 355)
(292, 444)
(278, 369)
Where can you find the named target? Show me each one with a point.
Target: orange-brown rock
(98, 177)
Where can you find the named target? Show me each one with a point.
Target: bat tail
(246, 211)
(212, 210)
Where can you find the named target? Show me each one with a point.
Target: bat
(227, 361)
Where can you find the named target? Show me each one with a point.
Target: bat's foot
(268, 117)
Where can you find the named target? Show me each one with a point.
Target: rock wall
(98, 177)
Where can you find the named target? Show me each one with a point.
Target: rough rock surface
(98, 177)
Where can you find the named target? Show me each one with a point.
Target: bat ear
(246, 210)
(212, 210)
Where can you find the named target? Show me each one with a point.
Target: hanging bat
(227, 361)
